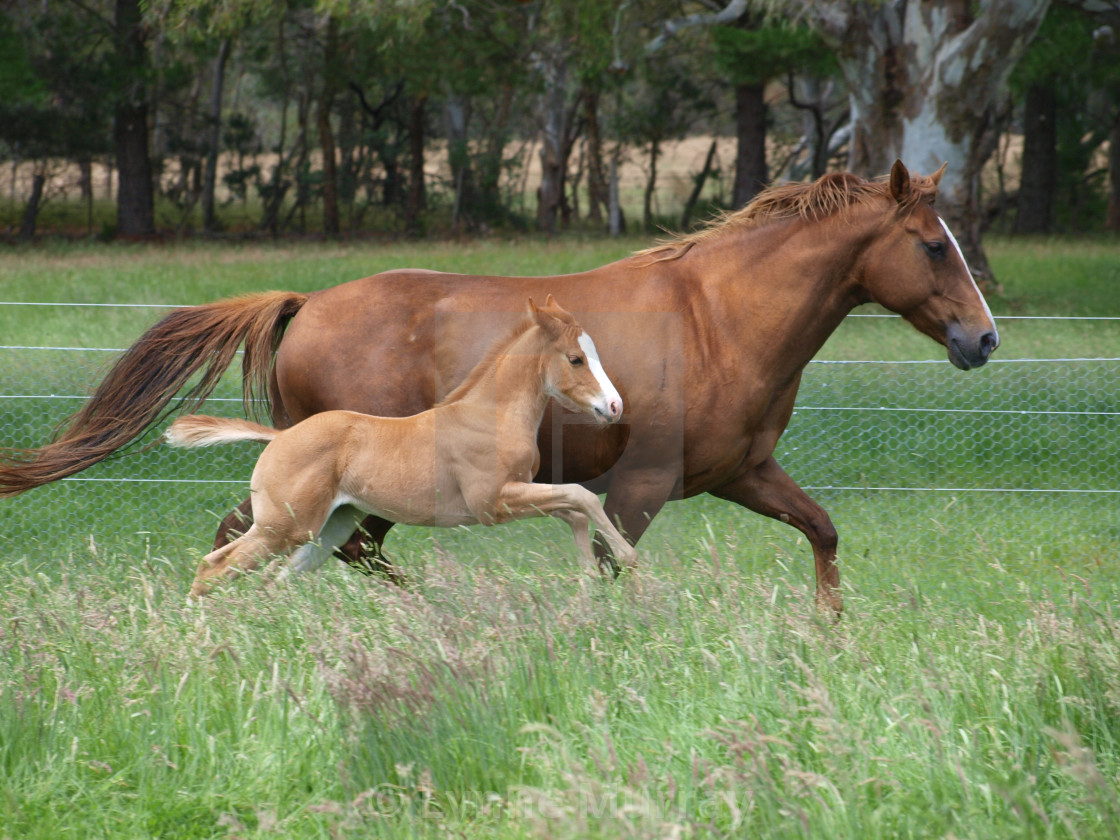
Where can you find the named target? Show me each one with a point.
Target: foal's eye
(936, 250)
(575, 361)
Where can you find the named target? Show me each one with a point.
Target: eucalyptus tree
(926, 84)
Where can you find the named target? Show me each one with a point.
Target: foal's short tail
(201, 430)
(138, 391)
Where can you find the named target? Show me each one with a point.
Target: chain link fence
(1038, 435)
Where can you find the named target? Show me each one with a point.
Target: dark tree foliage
(751, 54)
(341, 117)
(1068, 83)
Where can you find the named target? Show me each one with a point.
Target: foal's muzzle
(608, 409)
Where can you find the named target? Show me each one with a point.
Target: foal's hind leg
(334, 533)
(244, 554)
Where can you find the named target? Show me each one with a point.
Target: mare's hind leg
(235, 524)
(244, 554)
(364, 552)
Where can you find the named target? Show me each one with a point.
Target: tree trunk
(213, 147)
(457, 117)
(417, 199)
(651, 185)
(698, 187)
(273, 195)
(85, 176)
(926, 81)
(331, 223)
(596, 183)
(135, 201)
(31, 209)
(1112, 219)
(488, 164)
(751, 173)
(303, 179)
(1040, 160)
(85, 183)
(557, 138)
(617, 219)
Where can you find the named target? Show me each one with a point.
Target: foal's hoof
(608, 567)
(629, 561)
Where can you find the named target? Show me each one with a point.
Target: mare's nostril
(988, 342)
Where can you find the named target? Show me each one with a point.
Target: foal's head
(573, 373)
(915, 268)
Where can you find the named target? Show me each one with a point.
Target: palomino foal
(470, 459)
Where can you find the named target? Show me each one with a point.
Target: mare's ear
(900, 182)
(936, 176)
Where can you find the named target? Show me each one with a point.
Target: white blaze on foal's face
(609, 404)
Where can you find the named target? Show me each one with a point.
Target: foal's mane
(498, 348)
(828, 195)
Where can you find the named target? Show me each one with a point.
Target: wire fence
(1037, 435)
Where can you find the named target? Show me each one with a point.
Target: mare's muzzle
(970, 349)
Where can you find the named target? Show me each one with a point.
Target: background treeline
(420, 116)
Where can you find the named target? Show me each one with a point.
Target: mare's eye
(936, 250)
(575, 361)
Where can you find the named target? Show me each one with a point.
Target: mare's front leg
(570, 502)
(768, 490)
(634, 497)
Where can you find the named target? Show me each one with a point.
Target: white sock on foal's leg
(338, 528)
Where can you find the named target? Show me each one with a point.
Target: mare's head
(914, 267)
(572, 370)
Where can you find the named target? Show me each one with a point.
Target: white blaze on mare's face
(960, 253)
(609, 391)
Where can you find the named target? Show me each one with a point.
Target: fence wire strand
(1038, 428)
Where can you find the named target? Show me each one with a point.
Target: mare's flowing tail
(136, 393)
(202, 430)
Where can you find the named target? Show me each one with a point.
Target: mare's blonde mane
(828, 195)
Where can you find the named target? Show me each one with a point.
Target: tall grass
(697, 697)
(971, 690)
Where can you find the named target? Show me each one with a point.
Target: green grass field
(972, 689)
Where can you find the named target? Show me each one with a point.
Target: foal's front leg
(570, 502)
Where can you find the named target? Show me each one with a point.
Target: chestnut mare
(468, 460)
(706, 335)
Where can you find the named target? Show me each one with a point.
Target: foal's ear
(545, 319)
(900, 182)
(936, 176)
